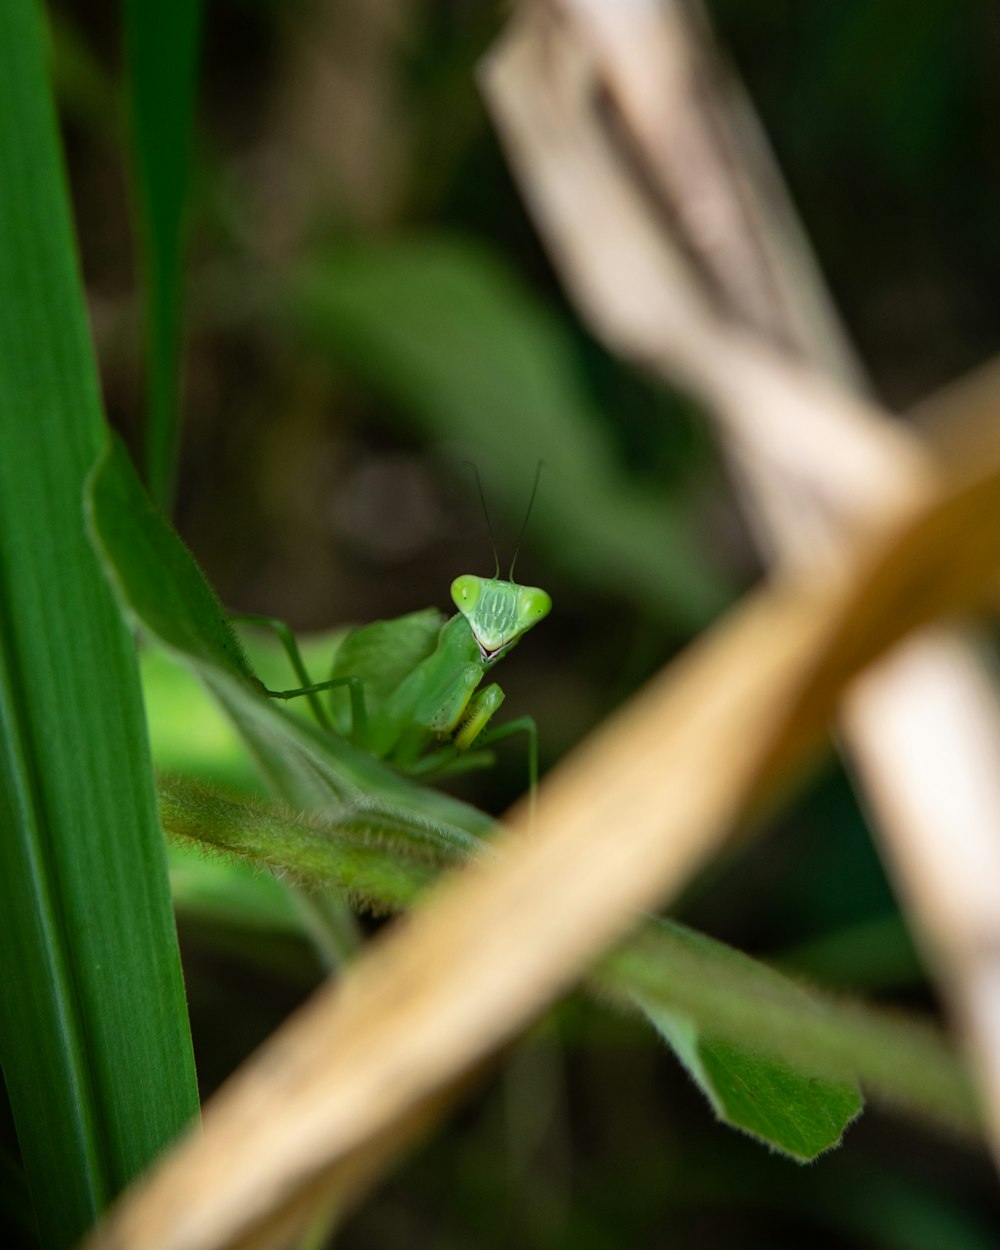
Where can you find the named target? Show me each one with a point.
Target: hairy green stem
(384, 862)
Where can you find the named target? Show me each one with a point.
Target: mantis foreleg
(471, 731)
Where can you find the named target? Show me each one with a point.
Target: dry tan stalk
(962, 405)
(621, 825)
(701, 146)
(677, 218)
(676, 103)
(638, 287)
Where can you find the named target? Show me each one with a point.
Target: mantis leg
(309, 688)
(472, 731)
(525, 725)
(447, 761)
(359, 714)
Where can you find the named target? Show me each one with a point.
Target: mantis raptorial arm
(473, 736)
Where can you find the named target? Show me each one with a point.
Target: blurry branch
(638, 280)
(340, 64)
(651, 182)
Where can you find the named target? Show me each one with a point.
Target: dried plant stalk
(683, 253)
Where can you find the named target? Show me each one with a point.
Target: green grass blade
(162, 38)
(94, 1038)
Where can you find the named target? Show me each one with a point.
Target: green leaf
(474, 357)
(166, 591)
(798, 1114)
(94, 1038)
(733, 999)
(162, 38)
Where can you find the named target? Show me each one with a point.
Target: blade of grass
(94, 1038)
(162, 38)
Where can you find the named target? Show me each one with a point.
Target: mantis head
(498, 612)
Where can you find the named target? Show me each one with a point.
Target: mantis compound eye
(534, 605)
(465, 591)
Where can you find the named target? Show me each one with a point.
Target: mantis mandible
(412, 684)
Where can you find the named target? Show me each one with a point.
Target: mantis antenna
(527, 518)
(486, 514)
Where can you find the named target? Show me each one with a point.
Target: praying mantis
(408, 690)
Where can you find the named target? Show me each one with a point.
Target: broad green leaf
(475, 358)
(734, 999)
(94, 1037)
(381, 862)
(799, 1114)
(162, 39)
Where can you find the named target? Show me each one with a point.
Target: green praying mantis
(408, 690)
